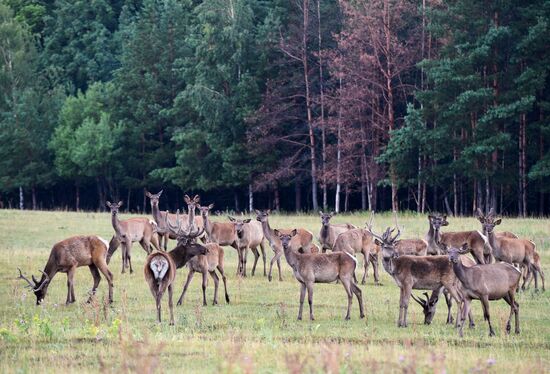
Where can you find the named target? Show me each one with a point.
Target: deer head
(154, 198)
(183, 237)
(285, 238)
(325, 217)
(261, 215)
(205, 209)
(193, 203)
(489, 222)
(239, 225)
(437, 221)
(428, 307)
(38, 287)
(454, 253)
(114, 207)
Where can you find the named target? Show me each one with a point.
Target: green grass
(258, 331)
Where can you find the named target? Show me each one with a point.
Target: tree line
(296, 105)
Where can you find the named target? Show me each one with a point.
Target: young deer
(249, 235)
(132, 230)
(321, 268)
(301, 242)
(356, 241)
(484, 283)
(414, 272)
(329, 232)
(160, 273)
(65, 257)
(206, 262)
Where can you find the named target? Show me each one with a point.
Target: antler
(21, 276)
(420, 301)
(43, 283)
(369, 223)
(175, 230)
(195, 234)
(397, 226)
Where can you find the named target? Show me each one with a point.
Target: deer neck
(291, 257)
(268, 233)
(207, 226)
(461, 272)
(191, 217)
(116, 224)
(325, 231)
(492, 238)
(156, 214)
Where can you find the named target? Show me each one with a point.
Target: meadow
(258, 331)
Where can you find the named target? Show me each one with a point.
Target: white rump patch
(352, 257)
(104, 241)
(485, 238)
(159, 266)
(153, 223)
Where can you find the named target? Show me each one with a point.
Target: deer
(249, 235)
(320, 268)
(138, 229)
(356, 241)
(205, 263)
(484, 283)
(160, 273)
(164, 233)
(414, 272)
(531, 273)
(512, 251)
(222, 233)
(329, 232)
(65, 257)
(301, 242)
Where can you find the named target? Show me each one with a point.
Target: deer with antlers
(139, 229)
(65, 257)
(320, 268)
(206, 262)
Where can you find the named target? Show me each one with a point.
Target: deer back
(423, 272)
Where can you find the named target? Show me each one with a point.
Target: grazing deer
(484, 283)
(204, 263)
(160, 273)
(329, 232)
(414, 272)
(141, 230)
(65, 257)
(299, 243)
(249, 235)
(512, 251)
(163, 232)
(320, 268)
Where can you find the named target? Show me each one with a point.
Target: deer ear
(119, 204)
(197, 198)
(108, 203)
(294, 232)
(231, 218)
(430, 217)
(257, 211)
(444, 217)
(210, 206)
(333, 213)
(247, 220)
(320, 212)
(377, 242)
(148, 194)
(268, 211)
(160, 193)
(498, 221)
(276, 232)
(186, 198)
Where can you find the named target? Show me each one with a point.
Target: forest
(294, 105)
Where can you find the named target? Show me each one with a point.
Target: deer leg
(310, 300)
(158, 299)
(404, 304)
(155, 241)
(302, 296)
(465, 311)
(97, 279)
(108, 277)
(256, 258)
(244, 257)
(366, 268)
(216, 283)
(146, 245)
(224, 279)
(346, 282)
(170, 304)
(262, 248)
(189, 278)
(70, 284)
(357, 291)
(239, 266)
(449, 302)
(123, 252)
(485, 304)
(276, 258)
(204, 284)
(374, 260)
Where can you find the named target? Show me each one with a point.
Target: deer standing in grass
(204, 263)
(321, 268)
(132, 230)
(484, 283)
(329, 232)
(160, 273)
(65, 257)
(301, 242)
(159, 217)
(249, 235)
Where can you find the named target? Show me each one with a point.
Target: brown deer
(299, 243)
(160, 273)
(163, 232)
(222, 233)
(357, 241)
(65, 257)
(204, 263)
(536, 269)
(139, 229)
(329, 232)
(484, 283)
(414, 272)
(249, 235)
(320, 268)
(512, 251)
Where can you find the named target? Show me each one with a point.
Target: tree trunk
(338, 155)
(128, 199)
(522, 210)
(236, 200)
(33, 191)
(21, 199)
(277, 200)
(322, 97)
(297, 196)
(346, 199)
(77, 197)
(250, 198)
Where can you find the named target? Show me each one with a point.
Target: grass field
(258, 331)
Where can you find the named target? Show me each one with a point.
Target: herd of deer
(437, 263)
